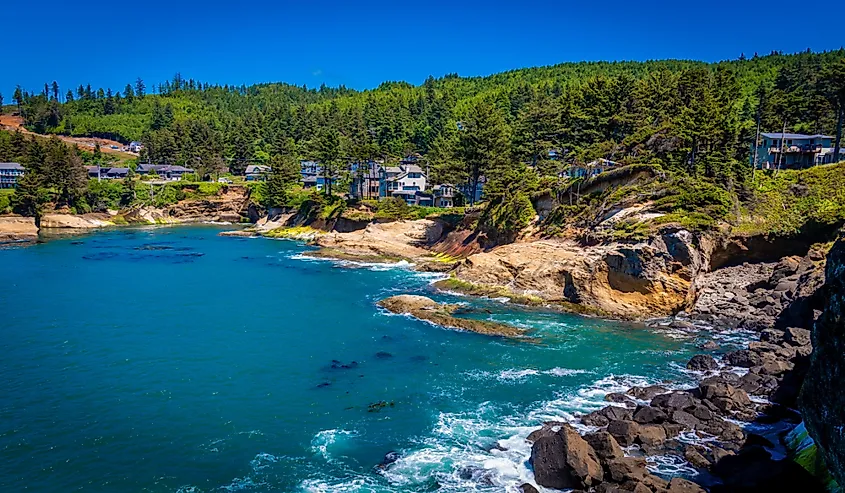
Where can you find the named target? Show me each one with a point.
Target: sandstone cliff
(634, 280)
(17, 228)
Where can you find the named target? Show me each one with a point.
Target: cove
(172, 359)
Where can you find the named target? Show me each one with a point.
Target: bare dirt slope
(12, 122)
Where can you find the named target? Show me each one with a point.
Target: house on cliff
(791, 151)
(10, 173)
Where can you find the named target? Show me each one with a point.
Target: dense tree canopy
(689, 117)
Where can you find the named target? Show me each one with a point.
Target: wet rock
(680, 485)
(540, 433)
(390, 458)
(528, 488)
(797, 336)
(620, 398)
(648, 414)
(646, 393)
(625, 432)
(605, 446)
(702, 362)
(695, 458)
(709, 346)
(565, 460)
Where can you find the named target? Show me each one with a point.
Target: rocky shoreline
(714, 426)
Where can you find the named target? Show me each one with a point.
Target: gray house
(164, 171)
(9, 174)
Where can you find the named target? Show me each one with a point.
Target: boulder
(565, 460)
(701, 411)
(620, 398)
(724, 396)
(686, 419)
(773, 336)
(673, 400)
(709, 346)
(605, 446)
(652, 435)
(625, 432)
(648, 414)
(702, 362)
(627, 469)
(680, 485)
(540, 433)
(695, 458)
(605, 415)
(528, 488)
(646, 393)
(797, 336)
(742, 358)
(673, 429)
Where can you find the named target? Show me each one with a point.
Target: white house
(402, 178)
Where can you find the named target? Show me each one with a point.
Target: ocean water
(175, 360)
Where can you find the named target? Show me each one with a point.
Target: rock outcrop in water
(823, 394)
(17, 228)
(441, 314)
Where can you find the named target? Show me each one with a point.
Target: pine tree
(483, 144)
(140, 88)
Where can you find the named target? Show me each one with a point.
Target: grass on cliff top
(471, 289)
(294, 232)
(786, 203)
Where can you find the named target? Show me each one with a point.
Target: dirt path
(12, 122)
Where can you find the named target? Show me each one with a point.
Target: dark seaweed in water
(338, 365)
(154, 247)
(101, 256)
(383, 355)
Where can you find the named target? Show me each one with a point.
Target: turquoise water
(172, 359)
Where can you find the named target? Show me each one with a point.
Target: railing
(794, 148)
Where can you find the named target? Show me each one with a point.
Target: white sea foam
(518, 375)
(240, 484)
(263, 461)
(323, 441)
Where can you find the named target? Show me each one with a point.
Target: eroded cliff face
(823, 393)
(640, 280)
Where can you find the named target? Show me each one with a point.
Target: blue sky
(361, 44)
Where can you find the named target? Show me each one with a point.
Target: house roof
(121, 171)
(257, 168)
(309, 179)
(778, 135)
(164, 167)
(603, 162)
(11, 166)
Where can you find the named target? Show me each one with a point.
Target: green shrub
(510, 215)
(6, 196)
